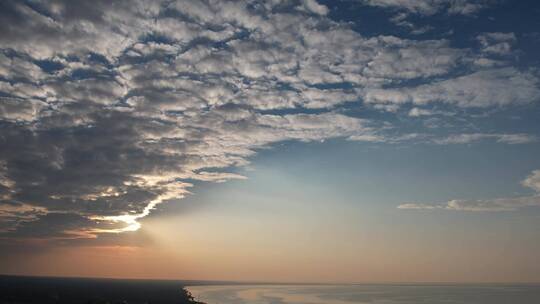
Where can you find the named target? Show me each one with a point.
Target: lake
(368, 294)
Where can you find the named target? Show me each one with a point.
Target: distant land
(45, 290)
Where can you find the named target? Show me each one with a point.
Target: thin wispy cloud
(498, 204)
(431, 7)
(468, 138)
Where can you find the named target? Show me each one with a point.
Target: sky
(290, 141)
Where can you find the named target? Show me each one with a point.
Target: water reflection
(367, 294)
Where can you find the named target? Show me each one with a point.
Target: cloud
(497, 43)
(468, 138)
(533, 181)
(484, 88)
(314, 7)
(431, 7)
(400, 19)
(498, 204)
(108, 109)
(417, 112)
(501, 204)
(407, 59)
(368, 138)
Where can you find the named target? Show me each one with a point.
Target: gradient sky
(329, 141)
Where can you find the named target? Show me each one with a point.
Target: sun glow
(174, 190)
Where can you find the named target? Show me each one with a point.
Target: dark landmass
(45, 290)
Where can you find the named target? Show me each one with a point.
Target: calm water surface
(371, 294)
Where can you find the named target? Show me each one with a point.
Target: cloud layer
(110, 108)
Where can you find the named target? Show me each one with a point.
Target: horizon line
(208, 282)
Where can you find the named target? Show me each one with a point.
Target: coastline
(45, 290)
(190, 297)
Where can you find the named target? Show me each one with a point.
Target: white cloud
(467, 138)
(498, 204)
(431, 7)
(516, 138)
(407, 59)
(497, 43)
(533, 181)
(314, 7)
(368, 138)
(417, 112)
(493, 87)
(501, 204)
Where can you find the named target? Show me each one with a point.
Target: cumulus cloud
(498, 204)
(533, 181)
(484, 88)
(110, 108)
(497, 43)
